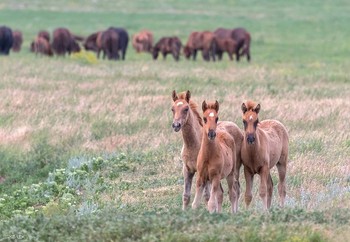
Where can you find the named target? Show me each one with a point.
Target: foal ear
(174, 95)
(257, 108)
(216, 107)
(188, 96)
(204, 106)
(244, 108)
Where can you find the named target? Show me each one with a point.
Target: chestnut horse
(203, 41)
(187, 119)
(265, 146)
(143, 41)
(216, 160)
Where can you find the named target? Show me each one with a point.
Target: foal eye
(186, 110)
(172, 109)
(245, 123)
(217, 119)
(205, 120)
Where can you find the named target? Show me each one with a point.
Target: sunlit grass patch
(85, 57)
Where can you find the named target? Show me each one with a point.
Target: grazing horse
(44, 34)
(123, 40)
(240, 36)
(187, 119)
(203, 41)
(167, 45)
(42, 46)
(225, 45)
(6, 40)
(108, 43)
(265, 145)
(17, 41)
(90, 43)
(63, 42)
(143, 41)
(216, 160)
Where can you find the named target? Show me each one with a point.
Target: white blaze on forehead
(211, 114)
(179, 103)
(250, 117)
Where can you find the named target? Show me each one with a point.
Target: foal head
(250, 120)
(180, 109)
(210, 118)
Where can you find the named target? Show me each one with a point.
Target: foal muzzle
(176, 126)
(211, 134)
(250, 138)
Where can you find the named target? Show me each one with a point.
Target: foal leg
(214, 194)
(220, 198)
(269, 191)
(264, 176)
(232, 192)
(249, 185)
(282, 168)
(207, 192)
(199, 192)
(188, 177)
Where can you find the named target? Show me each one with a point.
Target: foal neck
(191, 131)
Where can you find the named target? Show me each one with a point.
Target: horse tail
(246, 47)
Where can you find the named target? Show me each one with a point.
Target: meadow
(87, 152)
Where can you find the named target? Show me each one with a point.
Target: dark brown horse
(240, 36)
(225, 44)
(265, 146)
(64, 42)
(90, 43)
(167, 45)
(203, 41)
(44, 34)
(108, 43)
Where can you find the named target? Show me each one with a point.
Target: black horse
(123, 40)
(6, 40)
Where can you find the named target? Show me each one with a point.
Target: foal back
(276, 139)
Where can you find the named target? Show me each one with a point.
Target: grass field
(87, 152)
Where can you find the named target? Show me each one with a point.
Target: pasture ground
(87, 152)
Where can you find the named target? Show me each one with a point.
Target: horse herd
(216, 150)
(113, 43)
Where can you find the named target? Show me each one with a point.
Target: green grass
(103, 129)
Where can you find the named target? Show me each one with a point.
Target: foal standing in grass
(216, 160)
(265, 145)
(187, 119)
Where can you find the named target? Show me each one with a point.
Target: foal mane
(193, 107)
(250, 105)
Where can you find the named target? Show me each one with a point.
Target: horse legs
(219, 53)
(188, 177)
(249, 185)
(230, 54)
(215, 195)
(269, 190)
(237, 54)
(199, 192)
(207, 192)
(220, 198)
(232, 191)
(194, 54)
(263, 190)
(282, 168)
